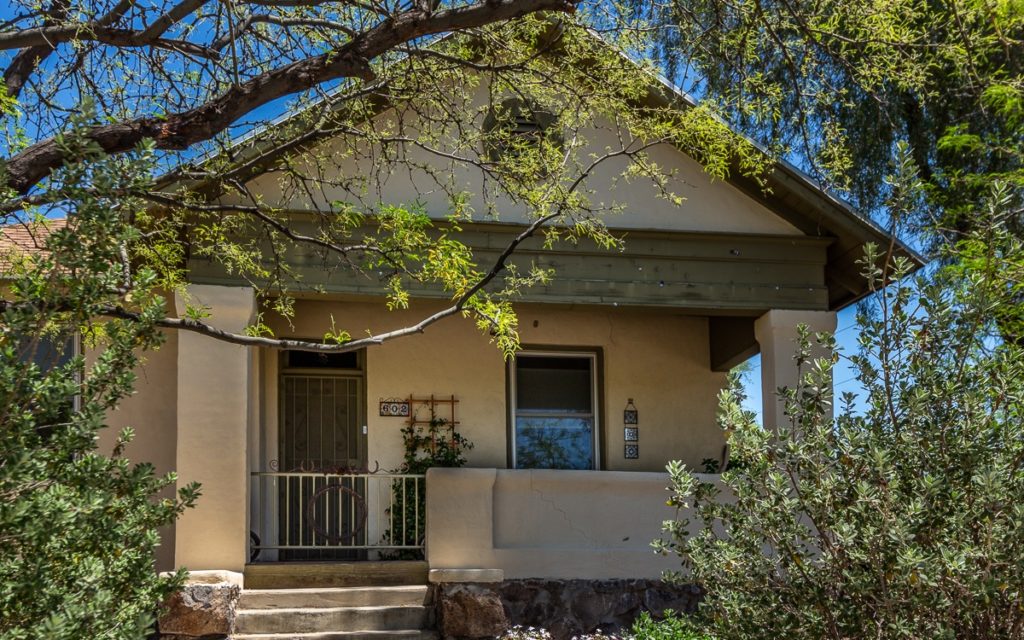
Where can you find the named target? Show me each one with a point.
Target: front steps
(305, 601)
(307, 575)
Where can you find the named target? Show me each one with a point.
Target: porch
(298, 459)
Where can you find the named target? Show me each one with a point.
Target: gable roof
(801, 201)
(788, 192)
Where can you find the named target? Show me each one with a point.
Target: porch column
(213, 408)
(776, 332)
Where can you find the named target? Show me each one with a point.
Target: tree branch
(27, 60)
(178, 131)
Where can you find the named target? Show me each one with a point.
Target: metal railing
(344, 516)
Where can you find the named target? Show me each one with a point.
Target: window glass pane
(48, 352)
(553, 384)
(554, 443)
(314, 360)
(554, 404)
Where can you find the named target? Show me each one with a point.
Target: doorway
(322, 454)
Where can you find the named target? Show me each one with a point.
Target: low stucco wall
(548, 524)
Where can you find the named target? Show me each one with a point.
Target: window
(515, 125)
(554, 410)
(50, 353)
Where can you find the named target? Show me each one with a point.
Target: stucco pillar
(213, 414)
(776, 332)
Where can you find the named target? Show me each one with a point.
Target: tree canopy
(143, 126)
(835, 85)
(374, 89)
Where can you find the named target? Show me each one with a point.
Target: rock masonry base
(564, 607)
(205, 611)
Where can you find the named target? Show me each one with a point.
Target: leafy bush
(672, 627)
(437, 444)
(903, 516)
(78, 527)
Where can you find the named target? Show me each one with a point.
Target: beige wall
(658, 359)
(548, 524)
(152, 413)
(710, 205)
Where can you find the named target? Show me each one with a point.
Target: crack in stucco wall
(565, 515)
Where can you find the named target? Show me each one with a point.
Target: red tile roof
(25, 238)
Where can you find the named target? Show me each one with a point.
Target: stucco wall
(152, 413)
(710, 205)
(548, 524)
(658, 359)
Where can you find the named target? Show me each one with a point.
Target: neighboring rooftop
(23, 238)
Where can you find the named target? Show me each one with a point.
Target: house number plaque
(394, 408)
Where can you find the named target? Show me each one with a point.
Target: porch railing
(345, 516)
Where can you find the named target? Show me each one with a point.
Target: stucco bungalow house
(303, 505)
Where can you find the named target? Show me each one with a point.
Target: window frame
(73, 338)
(596, 357)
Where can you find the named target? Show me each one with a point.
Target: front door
(321, 423)
(322, 449)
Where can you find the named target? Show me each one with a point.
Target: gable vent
(515, 119)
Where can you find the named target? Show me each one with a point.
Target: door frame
(272, 366)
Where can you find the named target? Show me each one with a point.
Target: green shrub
(78, 526)
(903, 516)
(673, 627)
(436, 444)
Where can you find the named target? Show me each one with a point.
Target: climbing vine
(435, 444)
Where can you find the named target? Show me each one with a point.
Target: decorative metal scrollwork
(311, 465)
(254, 546)
(359, 509)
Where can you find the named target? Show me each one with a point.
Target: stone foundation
(564, 607)
(204, 608)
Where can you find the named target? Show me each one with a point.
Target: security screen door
(554, 410)
(321, 422)
(322, 443)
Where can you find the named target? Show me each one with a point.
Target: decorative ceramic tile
(632, 434)
(630, 416)
(632, 451)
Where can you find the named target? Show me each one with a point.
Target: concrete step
(341, 635)
(333, 619)
(405, 595)
(308, 575)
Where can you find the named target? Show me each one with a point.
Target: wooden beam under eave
(731, 341)
(733, 273)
